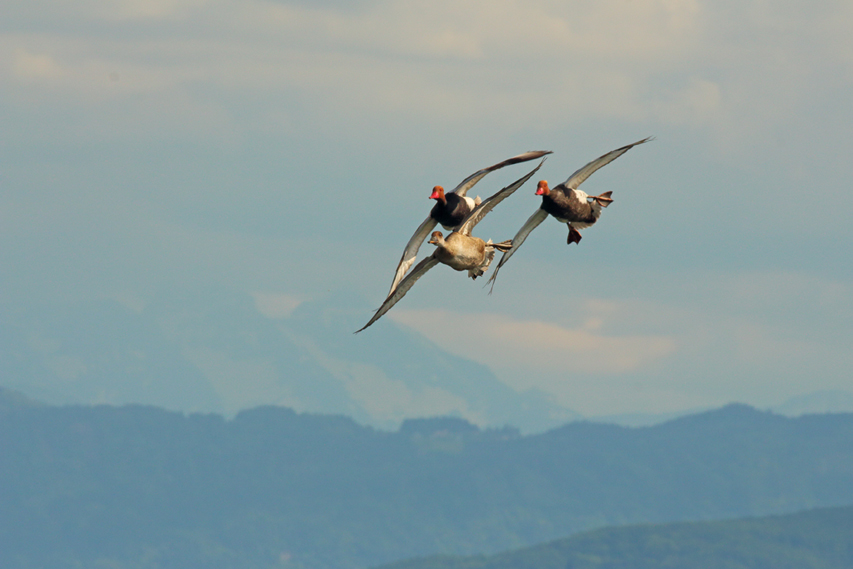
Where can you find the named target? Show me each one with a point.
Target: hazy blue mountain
(815, 539)
(213, 351)
(642, 419)
(98, 352)
(14, 400)
(147, 488)
(820, 402)
(832, 401)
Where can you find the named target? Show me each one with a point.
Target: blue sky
(287, 149)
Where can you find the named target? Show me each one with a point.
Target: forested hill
(816, 539)
(141, 487)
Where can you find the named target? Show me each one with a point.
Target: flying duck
(567, 204)
(450, 211)
(459, 250)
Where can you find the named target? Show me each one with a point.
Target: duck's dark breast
(451, 214)
(559, 204)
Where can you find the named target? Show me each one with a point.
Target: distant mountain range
(213, 351)
(818, 402)
(144, 488)
(830, 401)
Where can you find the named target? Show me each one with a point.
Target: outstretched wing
(410, 253)
(407, 283)
(488, 204)
(469, 182)
(578, 177)
(532, 222)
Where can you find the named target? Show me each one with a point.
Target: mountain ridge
(213, 351)
(817, 539)
(332, 493)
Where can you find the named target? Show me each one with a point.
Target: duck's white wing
(469, 182)
(578, 177)
(532, 222)
(489, 203)
(407, 283)
(410, 253)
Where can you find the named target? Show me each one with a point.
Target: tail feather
(484, 266)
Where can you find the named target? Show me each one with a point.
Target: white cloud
(661, 342)
(276, 305)
(109, 11)
(500, 341)
(87, 69)
(34, 66)
(497, 65)
(150, 9)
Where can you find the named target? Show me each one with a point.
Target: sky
(287, 149)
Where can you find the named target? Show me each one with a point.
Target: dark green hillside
(816, 539)
(143, 487)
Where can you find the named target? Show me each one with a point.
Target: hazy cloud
(540, 347)
(634, 61)
(276, 305)
(28, 66)
(286, 148)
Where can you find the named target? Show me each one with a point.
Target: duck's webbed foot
(574, 236)
(604, 199)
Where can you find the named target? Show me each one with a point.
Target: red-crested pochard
(567, 204)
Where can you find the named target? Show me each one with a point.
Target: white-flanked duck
(450, 210)
(459, 250)
(567, 204)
